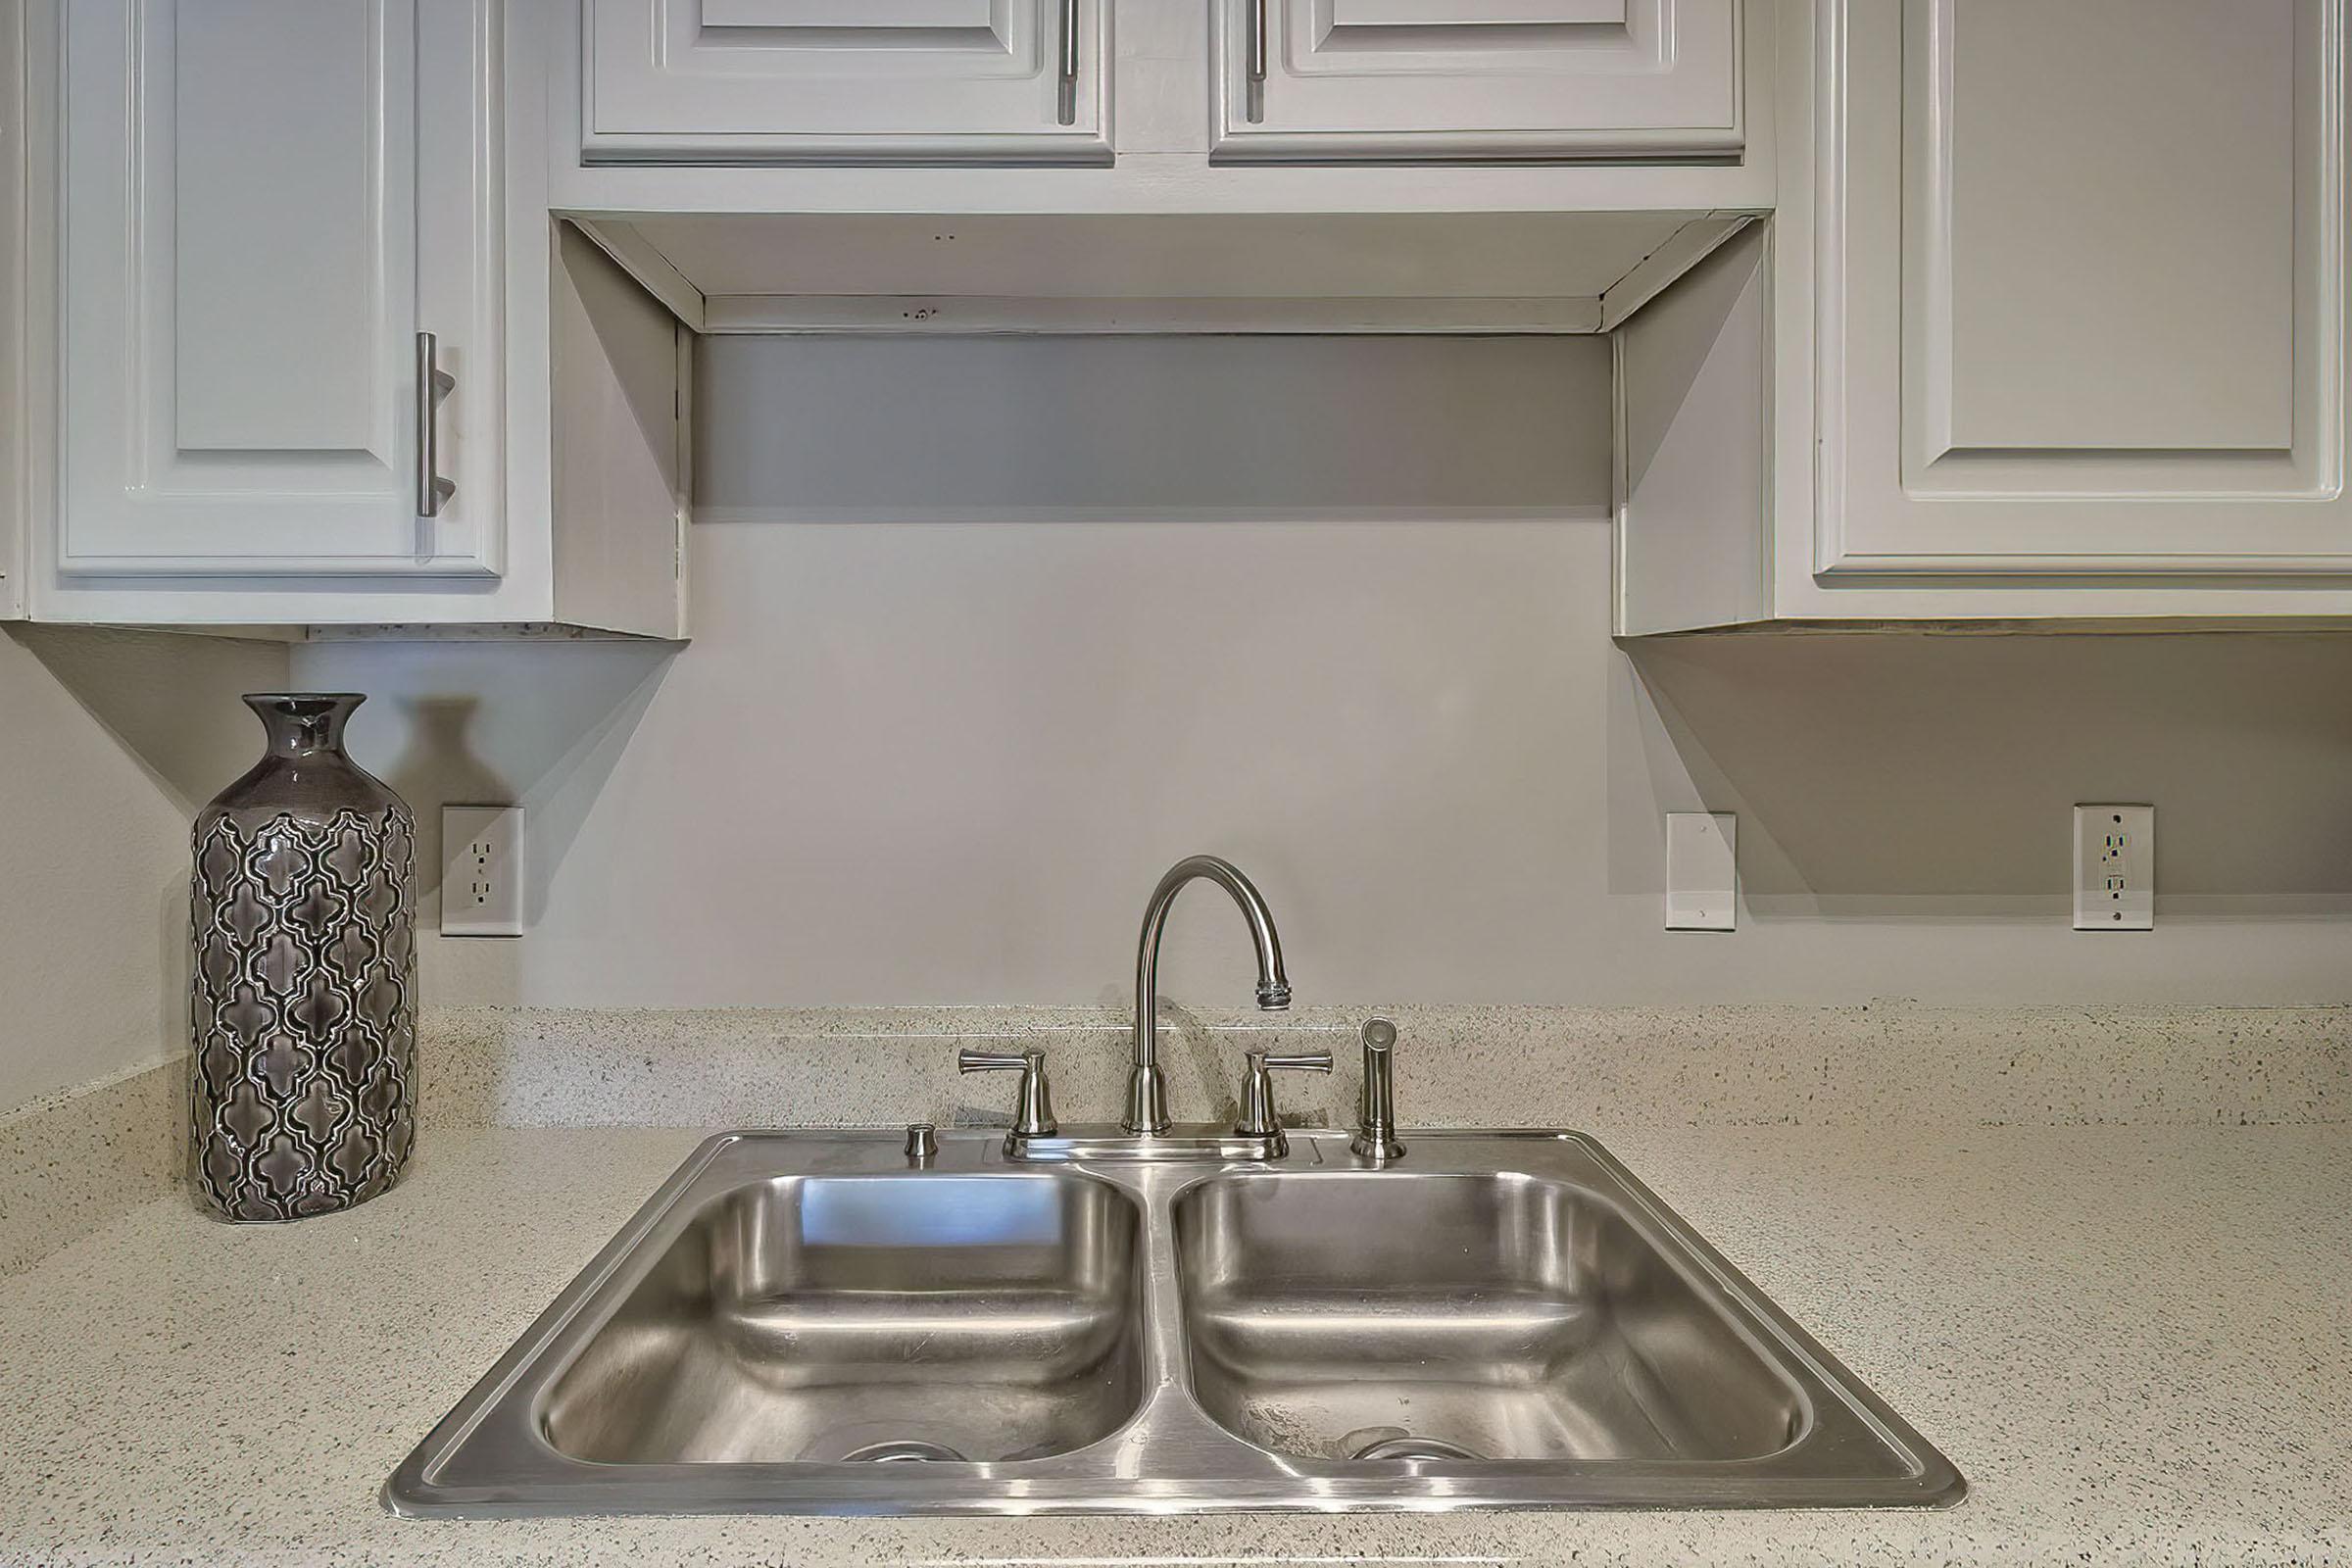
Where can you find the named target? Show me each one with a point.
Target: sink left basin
(792, 1313)
(817, 1319)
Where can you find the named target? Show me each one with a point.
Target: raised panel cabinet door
(2080, 305)
(1332, 81)
(263, 204)
(821, 81)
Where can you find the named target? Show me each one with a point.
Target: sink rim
(487, 1457)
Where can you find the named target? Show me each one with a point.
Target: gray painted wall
(990, 631)
(109, 742)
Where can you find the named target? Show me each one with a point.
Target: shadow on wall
(170, 699)
(817, 429)
(1931, 774)
(564, 714)
(94, 962)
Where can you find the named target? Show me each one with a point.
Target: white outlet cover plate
(482, 871)
(1702, 871)
(2115, 867)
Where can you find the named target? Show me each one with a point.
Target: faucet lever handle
(1032, 1116)
(1258, 1119)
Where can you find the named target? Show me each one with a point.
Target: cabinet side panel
(1693, 447)
(619, 467)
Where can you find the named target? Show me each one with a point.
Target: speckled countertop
(2136, 1341)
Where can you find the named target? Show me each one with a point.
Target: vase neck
(304, 723)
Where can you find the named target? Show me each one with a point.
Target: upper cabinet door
(262, 203)
(2081, 287)
(846, 81)
(1323, 80)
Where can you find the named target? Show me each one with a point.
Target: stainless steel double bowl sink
(803, 1323)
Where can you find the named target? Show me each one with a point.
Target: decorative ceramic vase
(303, 983)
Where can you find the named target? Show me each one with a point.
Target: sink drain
(904, 1451)
(1412, 1447)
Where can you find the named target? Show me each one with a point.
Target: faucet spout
(1147, 1086)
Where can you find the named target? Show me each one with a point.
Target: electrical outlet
(1702, 871)
(2115, 867)
(482, 871)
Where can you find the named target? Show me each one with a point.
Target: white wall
(109, 742)
(990, 631)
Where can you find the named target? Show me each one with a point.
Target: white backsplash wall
(988, 631)
(109, 742)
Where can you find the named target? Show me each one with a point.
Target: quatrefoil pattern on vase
(302, 991)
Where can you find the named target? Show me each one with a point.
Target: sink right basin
(1486, 1317)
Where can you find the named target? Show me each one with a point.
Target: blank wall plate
(482, 871)
(2115, 867)
(1702, 870)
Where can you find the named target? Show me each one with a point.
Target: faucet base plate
(1193, 1141)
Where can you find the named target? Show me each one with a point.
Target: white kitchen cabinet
(262, 228)
(846, 81)
(2048, 325)
(2080, 288)
(263, 204)
(1325, 80)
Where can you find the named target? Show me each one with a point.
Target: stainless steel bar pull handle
(1066, 106)
(1255, 40)
(432, 385)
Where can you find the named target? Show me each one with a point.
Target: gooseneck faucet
(1147, 1087)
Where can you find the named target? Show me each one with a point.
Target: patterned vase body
(303, 983)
